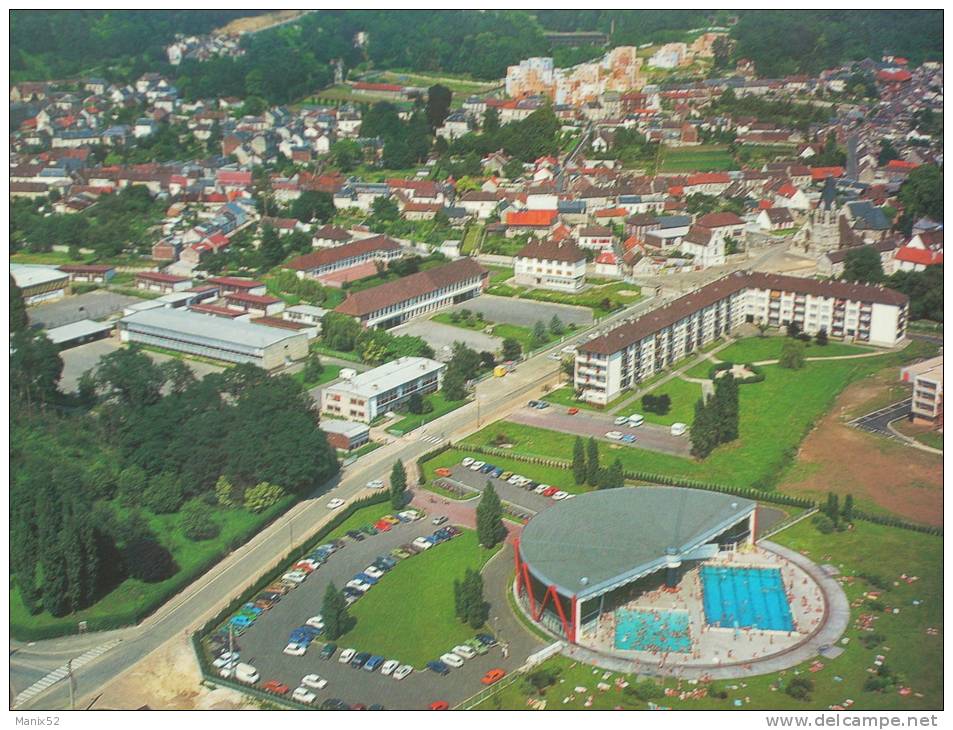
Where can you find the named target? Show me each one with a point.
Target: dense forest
(287, 62)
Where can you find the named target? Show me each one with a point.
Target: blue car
(496, 473)
(252, 608)
(440, 536)
(373, 663)
(487, 468)
(628, 439)
(438, 667)
(366, 578)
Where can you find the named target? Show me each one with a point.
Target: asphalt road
(262, 644)
(876, 421)
(649, 436)
(494, 399)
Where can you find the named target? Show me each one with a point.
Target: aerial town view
(476, 360)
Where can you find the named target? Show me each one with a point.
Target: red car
(443, 472)
(550, 492)
(573, 411)
(275, 687)
(494, 675)
(439, 705)
(383, 525)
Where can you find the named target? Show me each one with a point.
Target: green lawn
(329, 373)
(703, 158)
(873, 549)
(564, 397)
(754, 349)
(618, 294)
(322, 350)
(51, 258)
(499, 274)
(683, 395)
(471, 239)
(775, 416)
(441, 407)
(133, 599)
(409, 615)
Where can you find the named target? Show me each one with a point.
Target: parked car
(404, 670)
(541, 488)
(493, 676)
(388, 667)
(275, 687)
(385, 562)
(636, 420)
(411, 548)
(227, 658)
(369, 530)
(487, 468)
(573, 411)
(621, 420)
(451, 660)
(442, 471)
(246, 673)
(486, 639)
(335, 503)
(679, 429)
(355, 535)
(453, 530)
(477, 465)
(327, 651)
(543, 405)
(295, 576)
(436, 666)
(316, 621)
(360, 659)
(351, 592)
(373, 571)
(382, 526)
(439, 705)
(335, 704)
(400, 553)
(314, 681)
(467, 460)
(391, 520)
(374, 663)
(375, 484)
(550, 492)
(346, 656)
(376, 706)
(422, 543)
(358, 585)
(496, 473)
(477, 646)
(505, 476)
(366, 578)
(629, 438)
(295, 649)
(560, 495)
(304, 695)
(439, 520)
(614, 435)
(464, 652)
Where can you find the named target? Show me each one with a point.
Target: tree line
(716, 419)
(587, 470)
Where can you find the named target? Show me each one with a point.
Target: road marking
(431, 439)
(62, 672)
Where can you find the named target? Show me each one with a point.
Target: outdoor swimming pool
(745, 598)
(652, 630)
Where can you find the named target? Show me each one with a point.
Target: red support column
(539, 614)
(516, 557)
(567, 625)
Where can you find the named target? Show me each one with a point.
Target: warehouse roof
(211, 328)
(29, 275)
(602, 540)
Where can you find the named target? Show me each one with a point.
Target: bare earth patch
(883, 475)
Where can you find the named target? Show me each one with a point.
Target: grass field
(329, 373)
(617, 294)
(683, 395)
(471, 238)
(441, 407)
(703, 158)
(457, 84)
(322, 350)
(133, 599)
(51, 258)
(754, 349)
(883, 551)
(409, 615)
(775, 416)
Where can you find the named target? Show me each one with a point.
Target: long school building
(638, 349)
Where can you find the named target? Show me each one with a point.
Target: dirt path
(256, 23)
(877, 471)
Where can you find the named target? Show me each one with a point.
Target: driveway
(520, 498)
(95, 305)
(650, 436)
(262, 644)
(525, 312)
(442, 336)
(876, 421)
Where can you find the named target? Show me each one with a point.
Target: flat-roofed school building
(385, 388)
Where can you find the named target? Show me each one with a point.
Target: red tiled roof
(235, 282)
(262, 299)
(921, 256)
(284, 324)
(707, 178)
(216, 310)
(551, 250)
(408, 287)
(720, 220)
(327, 256)
(787, 190)
(611, 213)
(160, 276)
(533, 218)
(234, 177)
(898, 75)
(822, 173)
(901, 165)
(606, 257)
(85, 268)
(332, 233)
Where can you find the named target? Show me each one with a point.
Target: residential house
(550, 264)
(775, 219)
(595, 237)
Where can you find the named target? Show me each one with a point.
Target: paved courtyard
(525, 312)
(95, 305)
(442, 336)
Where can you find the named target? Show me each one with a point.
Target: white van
(679, 429)
(246, 674)
(636, 420)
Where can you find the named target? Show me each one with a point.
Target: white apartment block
(636, 350)
(549, 264)
(385, 388)
(927, 380)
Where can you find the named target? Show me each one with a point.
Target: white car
(464, 652)
(621, 420)
(359, 585)
(541, 488)
(452, 660)
(295, 649)
(636, 420)
(316, 622)
(467, 461)
(335, 503)
(560, 495)
(228, 670)
(402, 671)
(523, 481)
(375, 484)
(373, 572)
(422, 543)
(303, 694)
(614, 435)
(346, 656)
(513, 479)
(227, 658)
(295, 576)
(409, 514)
(314, 681)
(388, 667)
(679, 429)
(477, 465)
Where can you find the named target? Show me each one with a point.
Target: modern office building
(927, 380)
(367, 395)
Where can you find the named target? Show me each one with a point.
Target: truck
(246, 673)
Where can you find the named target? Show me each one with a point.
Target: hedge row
(897, 522)
(175, 584)
(424, 458)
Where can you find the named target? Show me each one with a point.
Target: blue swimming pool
(659, 631)
(745, 598)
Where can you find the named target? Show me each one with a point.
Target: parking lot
(262, 643)
(517, 496)
(525, 312)
(94, 305)
(442, 336)
(649, 436)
